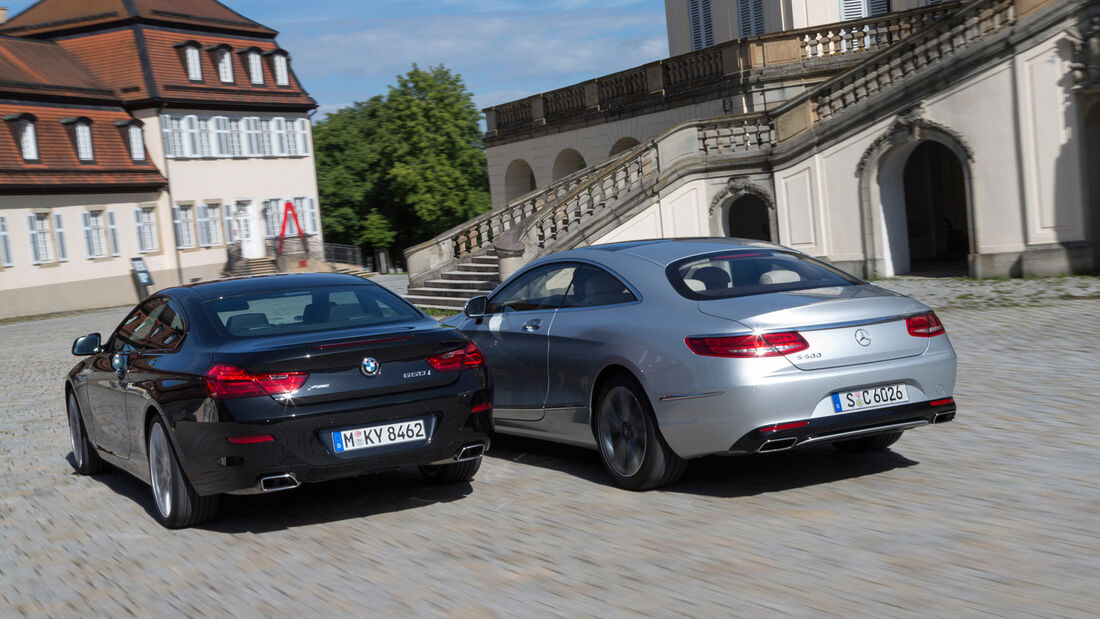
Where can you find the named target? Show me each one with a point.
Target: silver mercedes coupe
(657, 352)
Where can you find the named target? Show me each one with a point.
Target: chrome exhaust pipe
(275, 483)
(942, 417)
(778, 444)
(469, 452)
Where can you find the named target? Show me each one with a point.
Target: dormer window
(282, 73)
(132, 135)
(25, 135)
(255, 68)
(137, 146)
(82, 137)
(192, 62)
(223, 60)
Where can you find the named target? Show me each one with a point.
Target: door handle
(532, 325)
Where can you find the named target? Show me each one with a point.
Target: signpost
(141, 276)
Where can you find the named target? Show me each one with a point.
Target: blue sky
(349, 50)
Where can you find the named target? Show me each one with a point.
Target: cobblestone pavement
(996, 513)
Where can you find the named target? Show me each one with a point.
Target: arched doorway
(623, 144)
(1092, 176)
(519, 180)
(748, 218)
(925, 226)
(936, 223)
(567, 162)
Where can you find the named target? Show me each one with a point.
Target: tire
(451, 473)
(86, 459)
(866, 444)
(631, 446)
(176, 504)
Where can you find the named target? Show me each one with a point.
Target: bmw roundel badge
(370, 367)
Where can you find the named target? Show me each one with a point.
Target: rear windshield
(281, 312)
(722, 275)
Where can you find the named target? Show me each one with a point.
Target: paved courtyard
(997, 513)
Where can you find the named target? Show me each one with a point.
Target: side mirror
(87, 345)
(475, 307)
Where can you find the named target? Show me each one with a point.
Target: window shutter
(86, 225)
(112, 232)
(59, 238)
(176, 225)
(203, 221)
(166, 135)
(851, 9)
(877, 7)
(191, 136)
(759, 27)
(303, 136)
(35, 257)
(227, 221)
(5, 243)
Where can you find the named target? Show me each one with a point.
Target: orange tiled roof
(170, 74)
(59, 16)
(42, 68)
(58, 165)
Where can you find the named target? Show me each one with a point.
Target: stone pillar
(591, 95)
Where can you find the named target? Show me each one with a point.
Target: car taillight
(225, 381)
(458, 359)
(924, 325)
(755, 345)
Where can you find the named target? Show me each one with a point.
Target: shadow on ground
(717, 476)
(330, 501)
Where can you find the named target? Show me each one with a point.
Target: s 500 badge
(416, 374)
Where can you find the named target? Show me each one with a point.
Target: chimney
(3, 14)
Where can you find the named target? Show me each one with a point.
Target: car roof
(666, 251)
(263, 283)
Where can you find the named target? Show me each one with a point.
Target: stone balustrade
(735, 136)
(871, 34)
(964, 27)
(708, 70)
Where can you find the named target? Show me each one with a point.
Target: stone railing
(727, 137)
(871, 34)
(964, 27)
(583, 202)
(706, 72)
(548, 219)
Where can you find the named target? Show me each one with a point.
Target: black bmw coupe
(260, 384)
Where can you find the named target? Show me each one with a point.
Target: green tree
(403, 168)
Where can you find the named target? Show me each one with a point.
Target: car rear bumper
(303, 448)
(841, 427)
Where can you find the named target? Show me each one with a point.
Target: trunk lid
(334, 361)
(846, 325)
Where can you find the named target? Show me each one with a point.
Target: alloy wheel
(160, 469)
(623, 433)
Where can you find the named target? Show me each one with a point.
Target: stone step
(481, 276)
(477, 266)
(444, 292)
(465, 284)
(437, 302)
(483, 260)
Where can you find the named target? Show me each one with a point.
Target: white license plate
(871, 397)
(377, 436)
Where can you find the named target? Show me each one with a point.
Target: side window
(153, 325)
(593, 286)
(539, 289)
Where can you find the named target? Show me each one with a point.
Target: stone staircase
(253, 266)
(474, 275)
(349, 269)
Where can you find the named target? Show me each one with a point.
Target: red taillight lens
(943, 402)
(481, 408)
(459, 359)
(225, 381)
(784, 426)
(249, 440)
(924, 325)
(762, 345)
